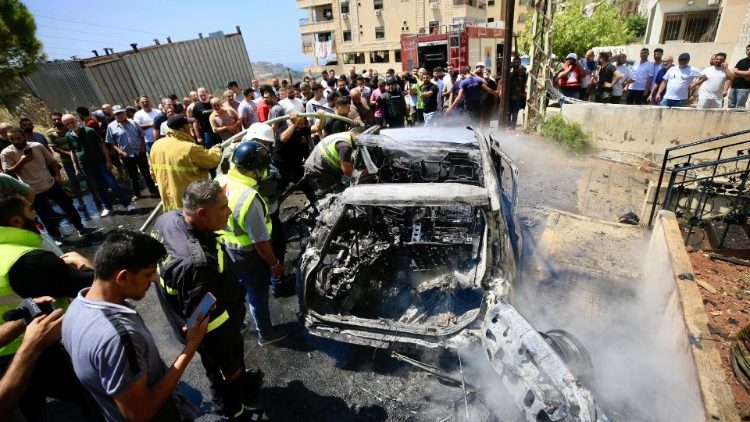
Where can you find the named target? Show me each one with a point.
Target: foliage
(20, 50)
(572, 31)
(568, 134)
(636, 24)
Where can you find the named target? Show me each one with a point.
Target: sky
(75, 27)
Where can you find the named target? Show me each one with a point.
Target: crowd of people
(219, 239)
(661, 82)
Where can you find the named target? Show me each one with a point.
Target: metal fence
(156, 71)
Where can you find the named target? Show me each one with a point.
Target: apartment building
(496, 12)
(341, 34)
(695, 21)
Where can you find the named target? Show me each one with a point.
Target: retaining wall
(695, 349)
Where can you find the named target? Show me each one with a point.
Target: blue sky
(75, 27)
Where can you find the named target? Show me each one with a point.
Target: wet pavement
(313, 379)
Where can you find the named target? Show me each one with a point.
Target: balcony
(303, 4)
(472, 10)
(307, 26)
(479, 4)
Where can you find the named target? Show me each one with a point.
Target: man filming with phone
(119, 362)
(198, 264)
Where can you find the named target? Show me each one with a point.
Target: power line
(62, 18)
(98, 34)
(78, 39)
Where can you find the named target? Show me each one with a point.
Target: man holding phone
(198, 264)
(127, 378)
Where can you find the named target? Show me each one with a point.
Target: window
(521, 18)
(354, 58)
(344, 7)
(434, 27)
(379, 32)
(490, 2)
(324, 36)
(490, 20)
(523, 2)
(380, 56)
(378, 4)
(347, 35)
(397, 55)
(690, 27)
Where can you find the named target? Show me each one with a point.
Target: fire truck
(456, 46)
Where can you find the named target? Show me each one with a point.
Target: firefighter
(331, 159)
(196, 265)
(177, 160)
(248, 234)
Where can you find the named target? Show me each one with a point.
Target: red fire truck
(457, 46)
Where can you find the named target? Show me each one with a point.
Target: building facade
(695, 21)
(366, 34)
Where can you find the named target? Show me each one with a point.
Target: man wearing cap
(177, 161)
(570, 76)
(674, 89)
(331, 159)
(129, 141)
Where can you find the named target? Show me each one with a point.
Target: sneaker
(273, 338)
(85, 231)
(134, 198)
(105, 212)
(252, 382)
(130, 208)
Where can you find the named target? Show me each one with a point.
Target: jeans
(71, 172)
(570, 92)
(672, 103)
(210, 139)
(254, 274)
(737, 98)
(102, 179)
(133, 165)
(57, 195)
(278, 242)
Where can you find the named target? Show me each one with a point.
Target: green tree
(636, 24)
(574, 31)
(20, 50)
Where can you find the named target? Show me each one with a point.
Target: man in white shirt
(248, 109)
(643, 74)
(145, 119)
(714, 83)
(317, 99)
(658, 65)
(289, 102)
(627, 77)
(674, 89)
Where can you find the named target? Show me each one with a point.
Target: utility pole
(539, 54)
(510, 6)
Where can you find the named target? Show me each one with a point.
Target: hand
(658, 98)
(278, 269)
(194, 335)
(122, 154)
(691, 98)
(76, 260)
(646, 94)
(43, 331)
(78, 172)
(357, 122)
(725, 93)
(607, 84)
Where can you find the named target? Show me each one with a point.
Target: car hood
(409, 194)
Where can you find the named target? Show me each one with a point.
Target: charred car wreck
(423, 251)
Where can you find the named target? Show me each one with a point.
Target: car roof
(411, 194)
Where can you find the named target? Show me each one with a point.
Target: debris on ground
(629, 218)
(726, 296)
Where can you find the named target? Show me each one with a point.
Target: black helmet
(251, 156)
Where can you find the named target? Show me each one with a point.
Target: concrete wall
(650, 129)
(684, 312)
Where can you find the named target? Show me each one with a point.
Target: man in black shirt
(740, 89)
(607, 78)
(201, 111)
(430, 96)
(35, 273)
(335, 125)
(393, 105)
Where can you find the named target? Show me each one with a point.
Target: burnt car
(423, 251)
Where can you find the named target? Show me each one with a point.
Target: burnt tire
(572, 351)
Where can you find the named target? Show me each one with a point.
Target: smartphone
(203, 308)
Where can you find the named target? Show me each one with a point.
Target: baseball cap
(177, 121)
(684, 56)
(118, 109)
(571, 56)
(480, 64)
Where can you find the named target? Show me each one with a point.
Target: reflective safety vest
(15, 243)
(328, 148)
(241, 191)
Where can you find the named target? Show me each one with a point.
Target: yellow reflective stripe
(242, 410)
(174, 168)
(220, 256)
(218, 321)
(170, 291)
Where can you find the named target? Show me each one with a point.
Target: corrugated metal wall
(175, 68)
(63, 86)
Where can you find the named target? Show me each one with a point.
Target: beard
(30, 225)
(59, 126)
(28, 130)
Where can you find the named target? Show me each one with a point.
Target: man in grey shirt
(119, 362)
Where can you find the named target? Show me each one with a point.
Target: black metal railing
(687, 163)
